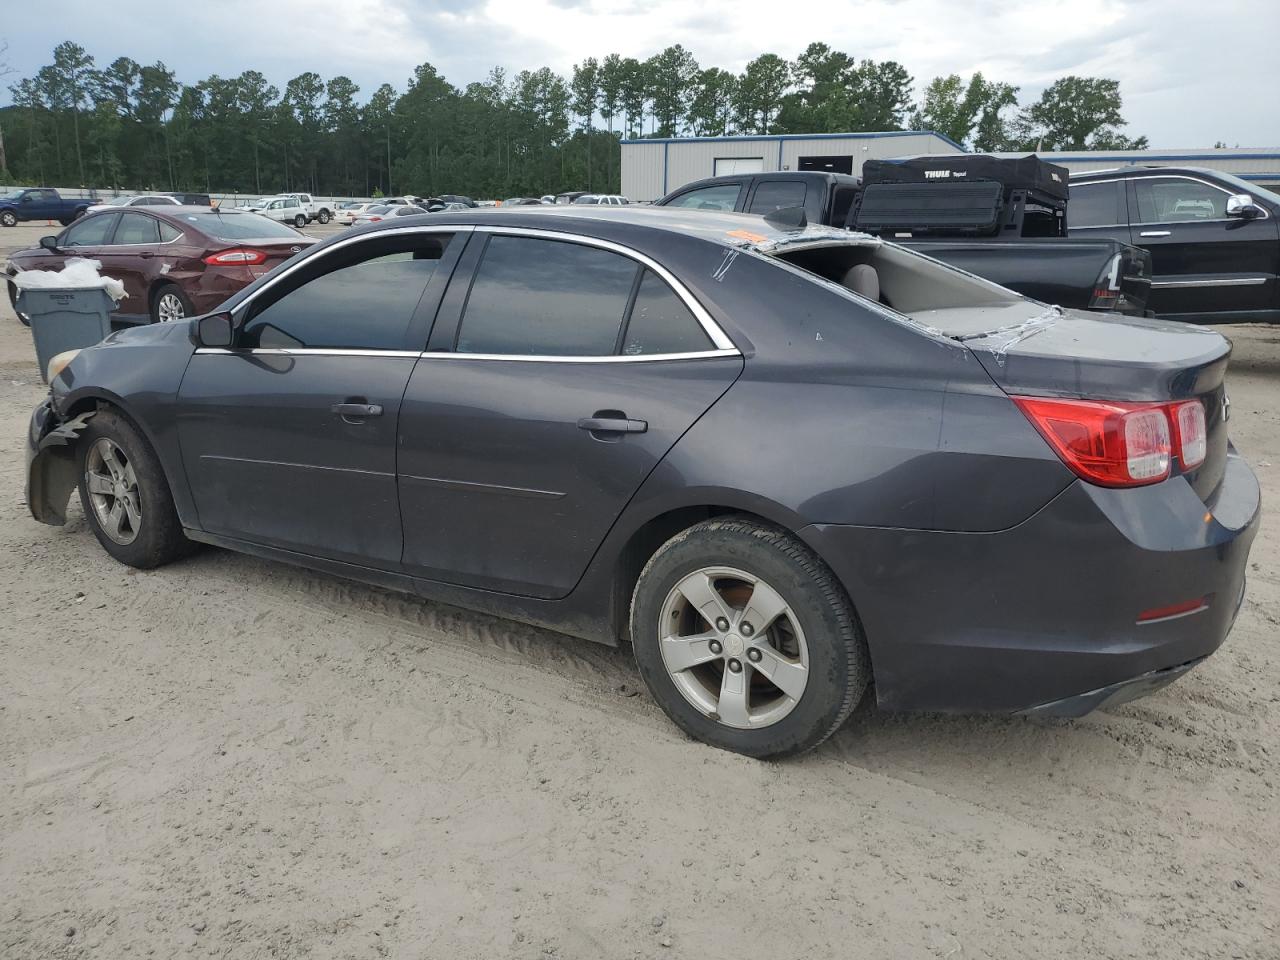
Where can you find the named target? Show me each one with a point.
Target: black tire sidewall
(160, 538)
(188, 310)
(838, 671)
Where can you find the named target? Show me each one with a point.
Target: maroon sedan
(174, 262)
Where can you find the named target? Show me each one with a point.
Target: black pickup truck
(1001, 219)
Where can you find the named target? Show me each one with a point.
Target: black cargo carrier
(963, 196)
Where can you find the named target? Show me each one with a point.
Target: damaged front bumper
(52, 471)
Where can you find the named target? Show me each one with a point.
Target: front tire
(8, 218)
(126, 496)
(299, 221)
(746, 639)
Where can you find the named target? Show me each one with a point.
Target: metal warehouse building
(653, 168)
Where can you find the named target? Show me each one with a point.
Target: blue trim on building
(802, 136)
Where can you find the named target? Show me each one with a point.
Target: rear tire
(324, 217)
(299, 221)
(169, 304)
(126, 496)
(727, 607)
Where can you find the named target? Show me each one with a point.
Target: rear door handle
(357, 411)
(612, 425)
(1156, 233)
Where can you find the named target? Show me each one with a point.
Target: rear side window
(721, 197)
(1095, 205)
(533, 297)
(364, 301)
(773, 195)
(168, 232)
(661, 323)
(136, 228)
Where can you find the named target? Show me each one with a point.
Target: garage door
(727, 165)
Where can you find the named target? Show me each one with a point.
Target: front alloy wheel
(734, 648)
(112, 488)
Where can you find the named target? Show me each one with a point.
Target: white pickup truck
(321, 210)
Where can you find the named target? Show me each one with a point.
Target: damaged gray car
(786, 464)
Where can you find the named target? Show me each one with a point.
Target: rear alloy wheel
(746, 639)
(170, 304)
(8, 218)
(323, 217)
(299, 221)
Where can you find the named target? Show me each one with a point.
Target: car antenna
(787, 217)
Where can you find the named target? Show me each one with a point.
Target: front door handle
(612, 425)
(1156, 233)
(356, 411)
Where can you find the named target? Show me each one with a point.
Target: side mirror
(50, 244)
(215, 330)
(25, 198)
(1241, 205)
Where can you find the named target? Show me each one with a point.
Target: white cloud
(1191, 73)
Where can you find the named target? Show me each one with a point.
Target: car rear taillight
(1106, 289)
(1192, 437)
(239, 257)
(1107, 443)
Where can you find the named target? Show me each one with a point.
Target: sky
(1191, 72)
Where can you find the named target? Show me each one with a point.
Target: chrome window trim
(308, 352)
(346, 242)
(712, 329)
(158, 243)
(569, 358)
(1227, 282)
(448, 355)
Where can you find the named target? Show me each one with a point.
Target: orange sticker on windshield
(746, 235)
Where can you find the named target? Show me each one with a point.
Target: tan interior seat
(863, 280)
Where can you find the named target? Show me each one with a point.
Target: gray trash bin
(65, 319)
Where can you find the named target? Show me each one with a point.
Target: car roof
(1143, 171)
(740, 230)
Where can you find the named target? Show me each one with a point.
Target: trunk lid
(1030, 349)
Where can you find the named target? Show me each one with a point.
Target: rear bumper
(1043, 617)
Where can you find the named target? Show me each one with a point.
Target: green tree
(585, 87)
(74, 68)
(635, 92)
(760, 93)
(1074, 113)
(711, 109)
(673, 76)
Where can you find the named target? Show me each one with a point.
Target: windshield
(239, 226)
(1253, 189)
(117, 201)
(13, 195)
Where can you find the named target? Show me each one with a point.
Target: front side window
(773, 195)
(661, 323)
(1175, 200)
(136, 228)
(89, 232)
(1096, 204)
(723, 196)
(363, 299)
(534, 297)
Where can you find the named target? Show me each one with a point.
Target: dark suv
(1213, 238)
